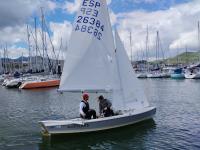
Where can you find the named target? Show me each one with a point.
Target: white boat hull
(79, 125)
(154, 76)
(14, 83)
(141, 75)
(192, 76)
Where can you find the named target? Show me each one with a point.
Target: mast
(147, 48)
(177, 57)
(1, 64)
(58, 56)
(43, 38)
(159, 50)
(131, 47)
(6, 56)
(186, 54)
(157, 47)
(199, 40)
(22, 63)
(36, 45)
(29, 48)
(4, 60)
(147, 43)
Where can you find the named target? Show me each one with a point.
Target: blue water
(176, 124)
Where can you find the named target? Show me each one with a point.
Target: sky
(176, 21)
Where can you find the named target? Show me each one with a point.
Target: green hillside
(184, 58)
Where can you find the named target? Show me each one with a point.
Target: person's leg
(88, 115)
(92, 113)
(82, 116)
(112, 112)
(108, 112)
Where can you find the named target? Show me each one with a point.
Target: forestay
(128, 93)
(88, 61)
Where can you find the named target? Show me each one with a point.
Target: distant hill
(25, 59)
(21, 58)
(184, 58)
(16, 59)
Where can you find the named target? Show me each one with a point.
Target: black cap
(101, 97)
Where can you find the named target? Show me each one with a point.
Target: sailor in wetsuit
(85, 111)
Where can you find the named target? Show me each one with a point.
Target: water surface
(175, 126)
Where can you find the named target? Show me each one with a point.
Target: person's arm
(81, 109)
(109, 104)
(100, 108)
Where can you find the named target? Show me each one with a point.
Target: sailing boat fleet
(111, 72)
(172, 72)
(31, 81)
(39, 71)
(160, 71)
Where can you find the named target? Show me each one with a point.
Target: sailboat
(96, 65)
(192, 73)
(156, 72)
(40, 82)
(178, 74)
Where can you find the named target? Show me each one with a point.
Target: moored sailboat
(192, 73)
(177, 74)
(40, 82)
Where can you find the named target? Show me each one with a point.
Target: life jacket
(86, 108)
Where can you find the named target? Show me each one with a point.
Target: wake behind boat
(98, 65)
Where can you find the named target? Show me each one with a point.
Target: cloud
(18, 12)
(109, 2)
(16, 52)
(12, 13)
(61, 31)
(72, 7)
(145, 1)
(187, 39)
(177, 25)
(15, 16)
(113, 17)
(13, 34)
(52, 5)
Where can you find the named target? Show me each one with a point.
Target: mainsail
(128, 93)
(88, 61)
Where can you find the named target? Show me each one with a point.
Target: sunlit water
(175, 126)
